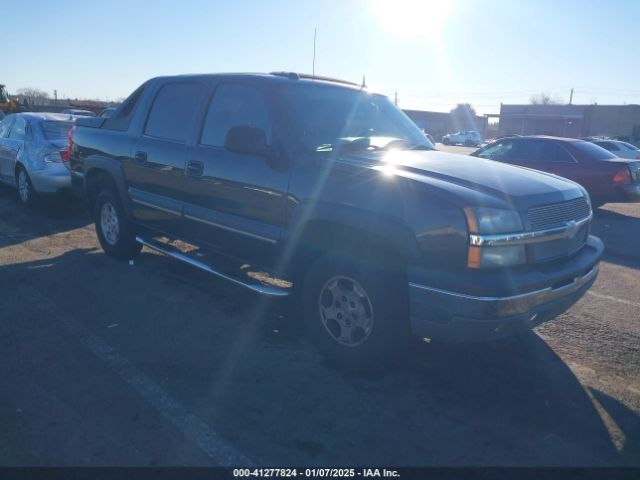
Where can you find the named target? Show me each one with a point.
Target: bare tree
(33, 96)
(463, 110)
(463, 117)
(545, 99)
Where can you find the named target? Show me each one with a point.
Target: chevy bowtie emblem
(571, 229)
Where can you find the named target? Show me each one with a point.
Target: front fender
(374, 226)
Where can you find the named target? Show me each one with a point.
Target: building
(571, 120)
(440, 123)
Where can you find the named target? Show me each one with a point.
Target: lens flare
(413, 18)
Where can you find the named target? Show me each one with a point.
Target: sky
(433, 53)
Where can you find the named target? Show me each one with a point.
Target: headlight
(482, 220)
(492, 220)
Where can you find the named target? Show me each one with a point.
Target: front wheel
(355, 313)
(114, 229)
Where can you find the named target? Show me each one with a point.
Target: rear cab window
(121, 118)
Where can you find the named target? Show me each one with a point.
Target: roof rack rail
(307, 76)
(290, 75)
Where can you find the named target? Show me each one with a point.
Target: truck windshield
(326, 118)
(54, 130)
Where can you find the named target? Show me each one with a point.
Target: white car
(469, 138)
(620, 149)
(32, 147)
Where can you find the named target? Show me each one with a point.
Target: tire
(114, 229)
(336, 288)
(446, 141)
(26, 193)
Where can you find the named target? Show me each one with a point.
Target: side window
(173, 110)
(525, 150)
(121, 118)
(498, 151)
(552, 152)
(234, 106)
(18, 131)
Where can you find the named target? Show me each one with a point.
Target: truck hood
(519, 187)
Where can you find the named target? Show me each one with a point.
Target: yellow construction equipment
(8, 105)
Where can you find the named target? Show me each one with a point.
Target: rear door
(155, 169)
(12, 146)
(5, 128)
(235, 202)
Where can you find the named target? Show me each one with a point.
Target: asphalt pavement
(156, 363)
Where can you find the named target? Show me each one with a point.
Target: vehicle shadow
(238, 362)
(50, 215)
(625, 422)
(619, 232)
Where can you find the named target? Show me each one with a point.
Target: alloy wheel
(109, 223)
(346, 311)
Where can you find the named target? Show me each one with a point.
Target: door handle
(140, 157)
(195, 168)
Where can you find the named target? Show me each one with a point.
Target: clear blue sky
(433, 53)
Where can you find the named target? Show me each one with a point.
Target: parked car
(289, 185)
(469, 139)
(78, 112)
(2, 115)
(606, 177)
(32, 146)
(107, 112)
(619, 149)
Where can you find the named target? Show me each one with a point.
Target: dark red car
(606, 177)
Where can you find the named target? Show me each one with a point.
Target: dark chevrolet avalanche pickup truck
(287, 184)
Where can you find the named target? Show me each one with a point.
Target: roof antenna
(313, 67)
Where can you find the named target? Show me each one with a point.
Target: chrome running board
(172, 252)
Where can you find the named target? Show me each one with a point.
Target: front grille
(558, 214)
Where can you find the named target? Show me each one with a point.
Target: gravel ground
(104, 363)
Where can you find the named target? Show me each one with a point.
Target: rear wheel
(114, 229)
(26, 193)
(355, 313)
(446, 141)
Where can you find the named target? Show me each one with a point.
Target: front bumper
(630, 192)
(51, 178)
(455, 316)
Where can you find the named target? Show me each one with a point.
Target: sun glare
(413, 18)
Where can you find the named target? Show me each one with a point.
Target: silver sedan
(32, 147)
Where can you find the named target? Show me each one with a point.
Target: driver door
(235, 203)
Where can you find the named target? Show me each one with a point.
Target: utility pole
(55, 95)
(396, 99)
(313, 67)
(571, 97)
